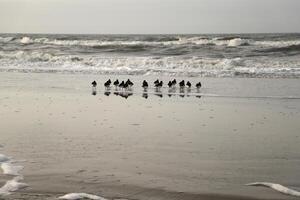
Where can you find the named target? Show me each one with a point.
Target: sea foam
(74, 196)
(9, 168)
(277, 187)
(12, 186)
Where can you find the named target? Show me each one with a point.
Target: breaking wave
(189, 55)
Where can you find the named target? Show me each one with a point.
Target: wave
(6, 39)
(24, 61)
(287, 49)
(150, 41)
(147, 43)
(277, 187)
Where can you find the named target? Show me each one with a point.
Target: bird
(145, 84)
(156, 82)
(159, 84)
(198, 85)
(116, 83)
(170, 84)
(129, 83)
(122, 84)
(107, 83)
(181, 84)
(94, 83)
(174, 82)
(126, 85)
(188, 84)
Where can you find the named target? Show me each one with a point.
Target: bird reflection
(94, 91)
(107, 93)
(145, 95)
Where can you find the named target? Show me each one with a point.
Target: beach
(203, 144)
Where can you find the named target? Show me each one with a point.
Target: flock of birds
(124, 88)
(157, 84)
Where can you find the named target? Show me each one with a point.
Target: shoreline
(155, 148)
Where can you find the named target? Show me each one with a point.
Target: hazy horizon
(149, 16)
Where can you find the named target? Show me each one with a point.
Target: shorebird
(126, 85)
(116, 83)
(145, 84)
(159, 84)
(170, 84)
(198, 85)
(94, 83)
(129, 83)
(107, 83)
(122, 84)
(156, 82)
(174, 82)
(188, 84)
(181, 84)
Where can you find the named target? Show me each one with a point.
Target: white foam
(26, 40)
(10, 169)
(12, 186)
(277, 187)
(74, 196)
(237, 42)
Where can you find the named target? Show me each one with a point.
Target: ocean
(230, 55)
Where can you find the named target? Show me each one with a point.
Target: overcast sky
(149, 16)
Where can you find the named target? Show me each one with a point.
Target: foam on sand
(9, 168)
(74, 196)
(277, 187)
(12, 186)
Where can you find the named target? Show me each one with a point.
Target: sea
(210, 55)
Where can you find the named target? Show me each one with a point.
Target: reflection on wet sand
(94, 90)
(127, 92)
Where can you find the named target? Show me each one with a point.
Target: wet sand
(69, 140)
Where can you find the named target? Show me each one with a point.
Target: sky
(149, 16)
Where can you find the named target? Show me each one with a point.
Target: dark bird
(159, 84)
(188, 84)
(107, 83)
(122, 84)
(94, 83)
(126, 85)
(156, 82)
(129, 83)
(170, 84)
(116, 83)
(174, 82)
(145, 84)
(198, 85)
(181, 83)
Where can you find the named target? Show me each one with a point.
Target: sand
(68, 140)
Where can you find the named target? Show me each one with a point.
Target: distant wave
(287, 49)
(231, 41)
(6, 39)
(277, 187)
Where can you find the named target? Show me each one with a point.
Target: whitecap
(74, 196)
(25, 40)
(277, 187)
(237, 42)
